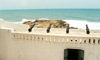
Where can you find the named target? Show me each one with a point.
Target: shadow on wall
(73, 54)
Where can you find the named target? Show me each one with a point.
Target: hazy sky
(45, 4)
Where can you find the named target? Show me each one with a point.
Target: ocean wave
(24, 20)
(82, 24)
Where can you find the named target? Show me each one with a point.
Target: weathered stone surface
(46, 23)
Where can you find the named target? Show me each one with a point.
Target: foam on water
(24, 20)
(82, 24)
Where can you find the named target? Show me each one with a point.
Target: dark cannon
(30, 29)
(67, 29)
(48, 29)
(87, 29)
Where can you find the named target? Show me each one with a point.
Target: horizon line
(49, 8)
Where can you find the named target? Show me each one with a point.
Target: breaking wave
(81, 24)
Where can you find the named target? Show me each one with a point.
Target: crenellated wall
(54, 38)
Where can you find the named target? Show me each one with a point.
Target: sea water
(76, 17)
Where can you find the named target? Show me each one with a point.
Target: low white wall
(25, 46)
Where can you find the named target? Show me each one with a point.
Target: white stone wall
(5, 40)
(26, 46)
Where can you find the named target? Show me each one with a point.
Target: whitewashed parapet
(59, 39)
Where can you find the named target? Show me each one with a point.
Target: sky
(49, 4)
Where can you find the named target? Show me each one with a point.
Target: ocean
(92, 15)
(73, 16)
